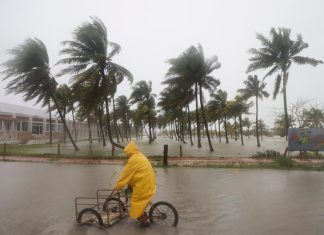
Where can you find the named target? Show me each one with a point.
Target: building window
(48, 127)
(60, 128)
(18, 126)
(6, 125)
(24, 126)
(0, 125)
(37, 128)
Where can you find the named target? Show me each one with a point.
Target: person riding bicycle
(138, 173)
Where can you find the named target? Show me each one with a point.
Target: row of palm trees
(88, 59)
(190, 73)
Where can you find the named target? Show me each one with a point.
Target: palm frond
(306, 60)
(277, 86)
(116, 48)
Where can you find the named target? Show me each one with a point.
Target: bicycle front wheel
(163, 213)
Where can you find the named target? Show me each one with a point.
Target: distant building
(19, 123)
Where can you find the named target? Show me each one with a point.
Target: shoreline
(212, 162)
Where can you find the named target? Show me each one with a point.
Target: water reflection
(39, 199)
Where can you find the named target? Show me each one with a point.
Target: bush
(267, 154)
(284, 161)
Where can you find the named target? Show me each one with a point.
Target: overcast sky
(151, 32)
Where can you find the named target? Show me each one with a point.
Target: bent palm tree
(29, 68)
(143, 96)
(192, 69)
(278, 53)
(123, 111)
(239, 106)
(89, 59)
(220, 104)
(254, 88)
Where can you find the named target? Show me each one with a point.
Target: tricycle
(110, 206)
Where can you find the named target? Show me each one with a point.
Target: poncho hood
(131, 149)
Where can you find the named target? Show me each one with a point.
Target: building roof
(17, 110)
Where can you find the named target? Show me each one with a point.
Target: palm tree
(192, 69)
(206, 81)
(123, 111)
(175, 99)
(248, 123)
(29, 68)
(278, 53)
(262, 127)
(219, 103)
(143, 96)
(280, 124)
(253, 87)
(239, 106)
(89, 59)
(233, 112)
(314, 117)
(47, 102)
(181, 76)
(63, 93)
(88, 102)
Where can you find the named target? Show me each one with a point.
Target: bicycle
(107, 209)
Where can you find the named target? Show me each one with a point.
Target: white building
(19, 123)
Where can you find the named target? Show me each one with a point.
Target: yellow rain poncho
(139, 174)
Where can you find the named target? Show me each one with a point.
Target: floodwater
(232, 149)
(39, 199)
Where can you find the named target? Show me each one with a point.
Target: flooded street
(39, 199)
(232, 149)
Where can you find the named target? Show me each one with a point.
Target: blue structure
(306, 139)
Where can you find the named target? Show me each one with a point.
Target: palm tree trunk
(147, 134)
(64, 115)
(136, 131)
(50, 119)
(182, 129)
(197, 116)
(241, 129)
(75, 130)
(100, 125)
(257, 122)
(225, 127)
(109, 129)
(98, 132)
(204, 119)
(89, 128)
(189, 125)
(120, 134)
(216, 134)
(115, 120)
(125, 127)
(219, 131)
(64, 123)
(235, 129)
(284, 91)
(150, 130)
(128, 127)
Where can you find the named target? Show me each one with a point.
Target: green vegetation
(267, 154)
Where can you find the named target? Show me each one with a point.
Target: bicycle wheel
(112, 205)
(163, 213)
(90, 216)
